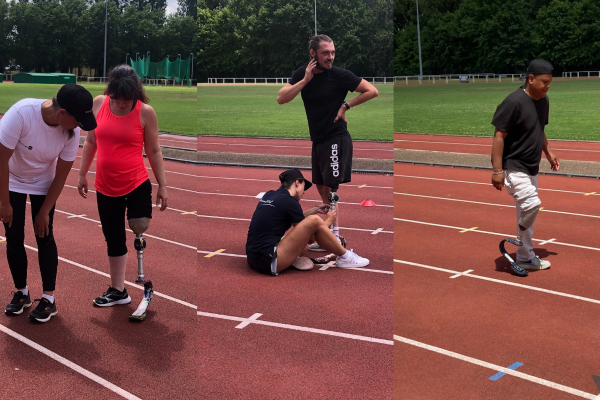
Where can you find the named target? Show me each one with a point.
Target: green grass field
(174, 106)
(468, 109)
(253, 111)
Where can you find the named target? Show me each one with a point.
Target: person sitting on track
(39, 140)
(276, 212)
(126, 124)
(519, 140)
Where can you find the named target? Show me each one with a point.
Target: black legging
(15, 239)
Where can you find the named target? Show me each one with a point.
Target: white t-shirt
(36, 146)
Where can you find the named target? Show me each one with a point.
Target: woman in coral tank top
(126, 126)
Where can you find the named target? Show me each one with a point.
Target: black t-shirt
(274, 215)
(323, 96)
(524, 120)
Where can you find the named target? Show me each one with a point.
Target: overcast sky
(171, 6)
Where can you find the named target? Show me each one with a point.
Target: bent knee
(139, 225)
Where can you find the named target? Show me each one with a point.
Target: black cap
(293, 174)
(539, 66)
(78, 102)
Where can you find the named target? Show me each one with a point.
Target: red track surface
(567, 150)
(291, 147)
(493, 321)
(273, 362)
(179, 141)
(144, 359)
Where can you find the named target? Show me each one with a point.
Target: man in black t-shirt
(519, 140)
(323, 88)
(276, 212)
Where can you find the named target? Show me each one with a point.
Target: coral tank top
(120, 164)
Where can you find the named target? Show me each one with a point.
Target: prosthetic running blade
(516, 268)
(140, 312)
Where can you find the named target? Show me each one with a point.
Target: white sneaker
(535, 263)
(352, 260)
(316, 247)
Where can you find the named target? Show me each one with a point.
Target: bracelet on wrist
(497, 172)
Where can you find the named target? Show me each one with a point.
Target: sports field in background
(251, 110)
(175, 106)
(467, 109)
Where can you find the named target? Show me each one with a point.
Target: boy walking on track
(268, 253)
(323, 88)
(519, 140)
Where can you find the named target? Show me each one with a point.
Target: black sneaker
(112, 297)
(18, 303)
(44, 310)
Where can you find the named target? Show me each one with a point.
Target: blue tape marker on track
(499, 375)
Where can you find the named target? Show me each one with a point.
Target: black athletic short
(332, 161)
(265, 265)
(112, 210)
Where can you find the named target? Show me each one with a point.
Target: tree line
(269, 38)
(496, 36)
(58, 35)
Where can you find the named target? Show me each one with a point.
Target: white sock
(24, 291)
(336, 231)
(50, 298)
(345, 255)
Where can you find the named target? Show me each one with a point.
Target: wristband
(347, 105)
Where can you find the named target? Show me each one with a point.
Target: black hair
(55, 104)
(288, 184)
(124, 84)
(315, 42)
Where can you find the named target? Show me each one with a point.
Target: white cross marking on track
(330, 264)
(462, 273)
(376, 231)
(77, 216)
(548, 241)
(247, 322)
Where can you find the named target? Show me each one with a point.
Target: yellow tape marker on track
(467, 230)
(213, 253)
(541, 208)
(362, 186)
(189, 212)
(587, 194)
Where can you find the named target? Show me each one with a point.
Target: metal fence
(148, 82)
(580, 74)
(454, 78)
(283, 81)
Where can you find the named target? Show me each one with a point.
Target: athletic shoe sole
(18, 312)
(45, 319)
(113, 303)
(534, 267)
(340, 264)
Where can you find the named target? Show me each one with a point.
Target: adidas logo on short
(334, 160)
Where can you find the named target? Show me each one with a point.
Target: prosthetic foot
(140, 245)
(333, 199)
(526, 219)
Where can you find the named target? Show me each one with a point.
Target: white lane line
(500, 281)
(253, 196)
(379, 271)
(486, 184)
(467, 272)
(69, 364)
(492, 233)
(277, 146)
(378, 230)
(273, 180)
(492, 204)
(247, 322)
(298, 328)
(74, 216)
(497, 368)
(484, 145)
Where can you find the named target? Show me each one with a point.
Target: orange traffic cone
(368, 203)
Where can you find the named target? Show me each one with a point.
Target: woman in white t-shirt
(39, 140)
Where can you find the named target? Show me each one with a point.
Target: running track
(461, 316)
(111, 357)
(564, 149)
(291, 147)
(303, 334)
